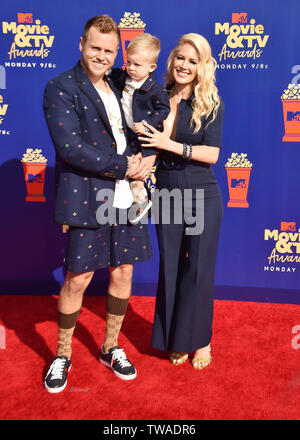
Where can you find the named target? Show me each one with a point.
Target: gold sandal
(177, 358)
(201, 360)
(204, 361)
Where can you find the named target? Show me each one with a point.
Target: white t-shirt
(123, 197)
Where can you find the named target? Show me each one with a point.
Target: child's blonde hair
(147, 42)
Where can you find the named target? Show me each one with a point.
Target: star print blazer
(150, 103)
(86, 158)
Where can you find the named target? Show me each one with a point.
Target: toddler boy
(143, 100)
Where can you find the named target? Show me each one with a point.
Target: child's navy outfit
(150, 103)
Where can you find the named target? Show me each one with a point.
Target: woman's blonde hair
(206, 100)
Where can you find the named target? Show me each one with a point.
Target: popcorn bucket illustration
(130, 27)
(128, 35)
(34, 167)
(238, 169)
(35, 179)
(238, 184)
(291, 115)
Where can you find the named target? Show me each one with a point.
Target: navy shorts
(108, 245)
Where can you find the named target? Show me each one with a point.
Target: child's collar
(148, 83)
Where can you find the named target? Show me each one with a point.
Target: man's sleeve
(64, 126)
(117, 76)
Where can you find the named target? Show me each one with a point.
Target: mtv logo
(238, 183)
(34, 178)
(25, 17)
(293, 116)
(239, 17)
(288, 226)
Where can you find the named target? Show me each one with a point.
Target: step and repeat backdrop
(257, 48)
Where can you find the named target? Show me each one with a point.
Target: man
(88, 129)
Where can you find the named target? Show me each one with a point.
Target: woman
(189, 145)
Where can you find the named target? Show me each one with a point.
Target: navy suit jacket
(86, 157)
(150, 103)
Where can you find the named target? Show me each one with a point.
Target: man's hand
(133, 164)
(144, 168)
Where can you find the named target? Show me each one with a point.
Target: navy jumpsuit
(184, 302)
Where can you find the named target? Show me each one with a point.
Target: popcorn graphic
(238, 168)
(239, 161)
(33, 156)
(291, 113)
(34, 167)
(292, 92)
(131, 21)
(131, 25)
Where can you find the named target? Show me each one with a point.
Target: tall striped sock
(115, 312)
(66, 327)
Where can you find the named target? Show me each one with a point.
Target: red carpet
(255, 372)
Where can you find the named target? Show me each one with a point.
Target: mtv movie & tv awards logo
(244, 39)
(285, 254)
(30, 42)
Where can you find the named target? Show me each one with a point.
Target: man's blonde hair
(103, 23)
(146, 42)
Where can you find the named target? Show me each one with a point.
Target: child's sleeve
(161, 108)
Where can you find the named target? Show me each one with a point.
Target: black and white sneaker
(116, 360)
(138, 210)
(56, 377)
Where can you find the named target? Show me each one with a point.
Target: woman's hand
(156, 139)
